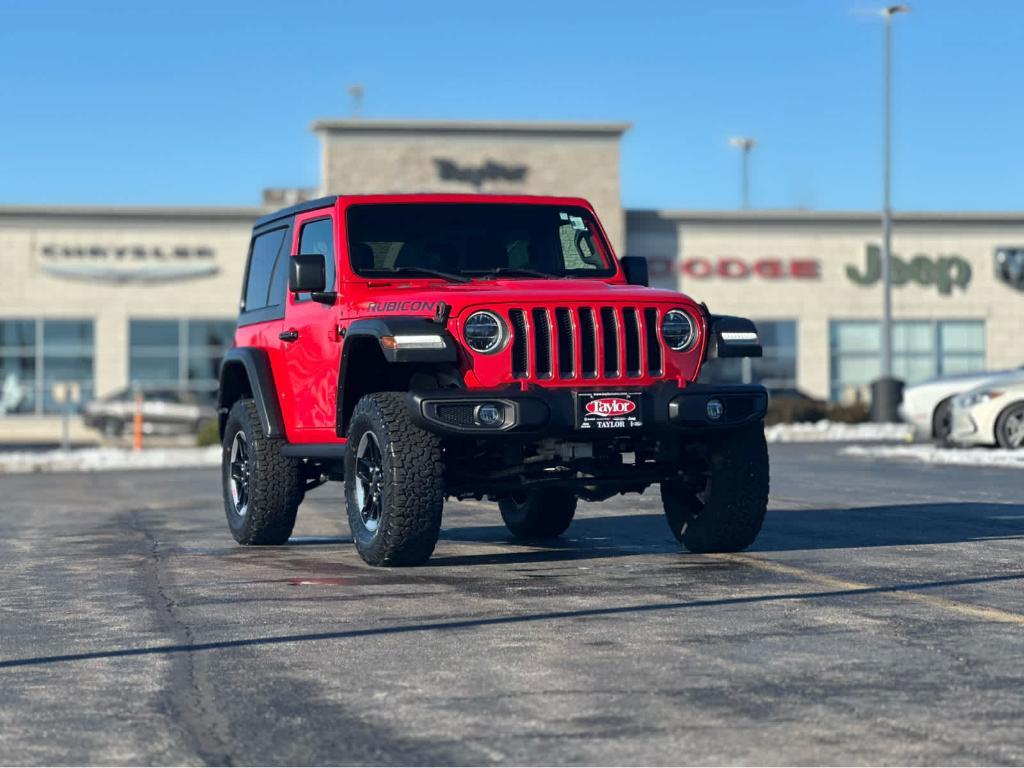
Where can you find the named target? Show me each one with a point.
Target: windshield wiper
(511, 271)
(427, 271)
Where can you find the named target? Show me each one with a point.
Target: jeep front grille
(567, 343)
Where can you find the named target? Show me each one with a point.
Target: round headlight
(484, 332)
(678, 330)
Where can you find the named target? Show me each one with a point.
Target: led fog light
(490, 415)
(715, 409)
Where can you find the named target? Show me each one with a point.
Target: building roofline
(217, 213)
(533, 127)
(796, 216)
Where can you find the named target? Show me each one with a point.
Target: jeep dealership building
(96, 299)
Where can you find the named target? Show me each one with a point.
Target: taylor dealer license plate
(608, 410)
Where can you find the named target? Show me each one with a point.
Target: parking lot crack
(190, 694)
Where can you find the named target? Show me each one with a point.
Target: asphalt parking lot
(879, 619)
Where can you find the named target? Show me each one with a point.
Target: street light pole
(744, 144)
(887, 14)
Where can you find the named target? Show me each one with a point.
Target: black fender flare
(379, 328)
(390, 327)
(258, 382)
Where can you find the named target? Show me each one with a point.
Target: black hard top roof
(307, 205)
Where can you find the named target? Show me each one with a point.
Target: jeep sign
(945, 272)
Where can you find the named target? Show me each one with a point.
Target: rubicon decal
(610, 406)
(401, 306)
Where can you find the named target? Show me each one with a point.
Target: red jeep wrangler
(419, 347)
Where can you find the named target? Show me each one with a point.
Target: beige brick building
(574, 159)
(811, 280)
(106, 298)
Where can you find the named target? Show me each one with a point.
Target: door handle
(289, 335)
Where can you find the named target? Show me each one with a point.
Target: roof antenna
(356, 92)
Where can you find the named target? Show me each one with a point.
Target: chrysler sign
(127, 263)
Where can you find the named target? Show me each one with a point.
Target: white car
(928, 406)
(991, 414)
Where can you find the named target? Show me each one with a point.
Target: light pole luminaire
(744, 144)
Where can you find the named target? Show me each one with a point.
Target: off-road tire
(274, 483)
(538, 514)
(1003, 436)
(726, 514)
(412, 487)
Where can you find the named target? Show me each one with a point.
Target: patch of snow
(930, 454)
(838, 432)
(101, 459)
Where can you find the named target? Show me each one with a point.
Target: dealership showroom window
(921, 349)
(36, 355)
(181, 354)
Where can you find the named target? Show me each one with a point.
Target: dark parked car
(164, 412)
(787, 405)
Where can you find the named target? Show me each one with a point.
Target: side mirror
(307, 273)
(635, 269)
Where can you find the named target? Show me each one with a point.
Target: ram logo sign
(1010, 266)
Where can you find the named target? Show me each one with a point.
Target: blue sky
(206, 103)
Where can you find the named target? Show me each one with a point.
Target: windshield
(465, 240)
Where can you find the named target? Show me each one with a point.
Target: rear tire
(262, 488)
(1010, 427)
(538, 514)
(394, 485)
(726, 514)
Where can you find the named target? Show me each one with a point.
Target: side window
(318, 237)
(261, 266)
(279, 280)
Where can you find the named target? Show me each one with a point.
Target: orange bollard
(137, 424)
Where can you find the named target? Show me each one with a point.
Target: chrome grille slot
(588, 343)
(541, 343)
(520, 342)
(610, 342)
(653, 342)
(631, 324)
(566, 352)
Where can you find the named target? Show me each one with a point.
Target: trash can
(886, 396)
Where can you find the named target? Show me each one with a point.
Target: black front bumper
(539, 412)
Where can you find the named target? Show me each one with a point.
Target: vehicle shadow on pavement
(889, 526)
(606, 536)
